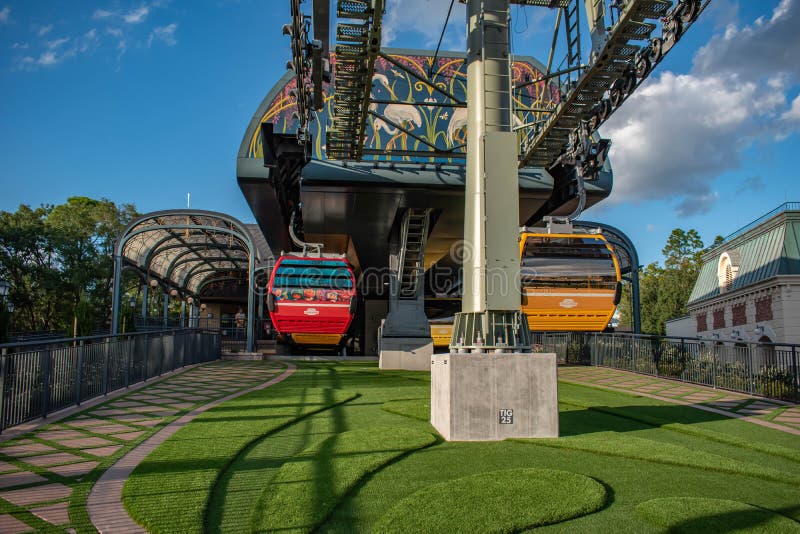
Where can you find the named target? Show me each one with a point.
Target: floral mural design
(435, 122)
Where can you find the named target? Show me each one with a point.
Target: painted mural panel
(434, 122)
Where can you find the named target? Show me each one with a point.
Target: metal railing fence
(40, 377)
(234, 333)
(765, 369)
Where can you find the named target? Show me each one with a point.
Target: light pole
(6, 310)
(132, 302)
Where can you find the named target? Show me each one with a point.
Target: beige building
(748, 288)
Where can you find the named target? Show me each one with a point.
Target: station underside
(354, 209)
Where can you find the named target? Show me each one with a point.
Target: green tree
(56, 256)
(682, 249)
(666, 290)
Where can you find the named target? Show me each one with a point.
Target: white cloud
(44, 30)
(137, 15)
(696, 205)
(48, 59)
(114, 32)
(793, 113)
(760, 49)
(164, 34)
(57, 43)
(676, 132)
(679, 133)
(20, 46)
(4, 14)
(425, 18)
(102, 14)
(58, 50)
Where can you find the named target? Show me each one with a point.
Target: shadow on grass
(592, 419)
(734, 521)
(309, 377)
(732, 516)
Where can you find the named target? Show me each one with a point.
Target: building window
(719, 318)
(702, 324)
(764, 309)
(739, 314)
(727, 269)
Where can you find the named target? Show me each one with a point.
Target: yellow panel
(317, 339)
(441, 334)
(568, 309)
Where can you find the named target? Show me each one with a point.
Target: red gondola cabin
(312, 300)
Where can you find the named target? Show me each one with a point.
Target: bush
(774, 381)
(579, 352)
(670, 360)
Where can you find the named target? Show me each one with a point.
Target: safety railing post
(714, 368)
(614, 349)
(129, 349)
(106, 358)
(146, 359)
(45, 368)
(750, 369)
(3, 368)
(163, 353)
(79, 374)
(795, 375)
(184, 338)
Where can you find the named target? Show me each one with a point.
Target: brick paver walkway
(765, 412)
(105, 506)
(39, 470)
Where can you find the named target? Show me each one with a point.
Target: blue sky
(145, 102)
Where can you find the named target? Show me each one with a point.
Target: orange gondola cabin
(570, 282)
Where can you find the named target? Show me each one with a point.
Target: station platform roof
(353, 207)
(186, 250)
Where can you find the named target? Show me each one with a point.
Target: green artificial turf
(169, 489)
(79, 520)
(495, 502)
(416, 408)
(700, 516)
(638, 449)
(307, 488)
(736, 440)
(626, 446)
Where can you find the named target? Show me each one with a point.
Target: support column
(491, 317)
(116, 295)
(635, 302)
(144, 302)
(166, 308)
(405, 341)
(490, 387)
(183, 313)
(251, 280)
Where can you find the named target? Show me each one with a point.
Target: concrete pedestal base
(489, 397)
(406, 353)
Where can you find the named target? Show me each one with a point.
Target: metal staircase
(413, 235)
(358, 44)
(613, 74)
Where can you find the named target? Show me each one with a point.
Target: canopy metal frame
(184, 250)
(629, 262)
